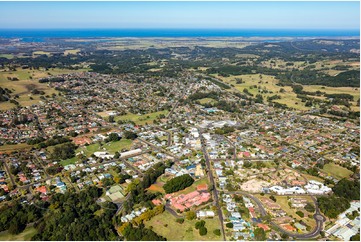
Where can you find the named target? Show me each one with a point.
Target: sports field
(141, 119)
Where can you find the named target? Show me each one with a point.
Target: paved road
(169, 209)
(169, 143)
(159, 149)
(317, 216)
(210, 175)
(9, 173)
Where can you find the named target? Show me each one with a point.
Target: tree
(113, 137)
(178, 183)
(16, 226)
(202, 231)
(355, 237)
(217, 232)
(111, 119)
(229, 225)
(273, 198)
(200, 224)
(300, 213)
(347, 189)
(332, 206)
(191, 215)
(259, 234)
(309, 208)
(130, 135)
(180, 220)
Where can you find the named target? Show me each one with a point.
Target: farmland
(26, 83)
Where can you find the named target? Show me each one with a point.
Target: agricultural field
(336, 171)
(71, 52)
(141, 119)
(23, 236)
(28, 81)
(165, 224)
(268, 83)
(288, 97)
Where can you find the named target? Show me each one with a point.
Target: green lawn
(112, 147)
(69, 161)
(141, 119)
(207, 100)
(165, 224)
(25, 235)
(336, 171)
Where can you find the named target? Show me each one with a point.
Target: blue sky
(241, 15)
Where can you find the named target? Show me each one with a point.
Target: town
(259, 173)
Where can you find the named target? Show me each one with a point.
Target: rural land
(197, 139)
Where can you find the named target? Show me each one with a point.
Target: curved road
(317, 216)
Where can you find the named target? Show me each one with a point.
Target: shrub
(217, 232)
(202, 231)
(229, 225)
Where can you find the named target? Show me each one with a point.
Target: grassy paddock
(28, 81)
(17, 147)
(141, 119)
(336, 171)
(165, 224)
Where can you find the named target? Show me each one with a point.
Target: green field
(141, 119)
(165, 224)
(288, 97)
(17, 147)
(7, 56)
(268, 83)
(113, 147)
(28, 81)
(69, 161)
(310, 177)
(88, 150)
(336, 171)
(207, 100)
(24, 236)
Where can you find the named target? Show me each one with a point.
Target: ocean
(38, 34)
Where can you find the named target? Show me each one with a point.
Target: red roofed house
(288, 227)
(82, 140)
(41, 189)
(263, 226)
(202, 187)
(252, 212)
(156, 202)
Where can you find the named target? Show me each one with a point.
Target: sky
(234, 15)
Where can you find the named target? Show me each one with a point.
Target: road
(211, 179)
(159, 148)
(9, 173)
(317, 216)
